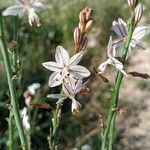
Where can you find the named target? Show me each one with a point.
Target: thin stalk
(10, 122)
(114, 100)
(12, 87)
(54, 130)
(15, 53)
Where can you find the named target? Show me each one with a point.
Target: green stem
(12, 87)
(11, 145)
(114, 101)
(54, 130)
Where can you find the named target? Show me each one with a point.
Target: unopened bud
(82, 17)
(81, 27)
(89, 25)
(77, 36)
(83, 44)
(131, 4)
(89, 14)
(138, 13)
(28, 101)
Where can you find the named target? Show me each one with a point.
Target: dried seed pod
(83, 44)
(81, 27)
(131, 4)
(138, 13)
(89, 25)
(77, 36)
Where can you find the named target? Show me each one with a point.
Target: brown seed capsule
(77, 36)
(138, 13)
(83, 44)
(89, 25)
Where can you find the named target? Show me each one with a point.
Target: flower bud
(83, 44)
(89, 14)
(82, 17)
(131, 4)
(89, 25)
(81, 27)
(77, 36)
(138, 13)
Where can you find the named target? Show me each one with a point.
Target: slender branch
(11, 85)
(55, 125)
(10, 122)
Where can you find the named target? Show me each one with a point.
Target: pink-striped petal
(55, 79)
(75, 59)
(119, 29)
(137, 44)
(79, 71)
(102, 67)
(62, 56)
(110, 49)
(13, 11)
(52, 66)
(139, 32)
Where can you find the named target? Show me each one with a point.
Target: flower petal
(75, 106)
(13, 11)
(117, 64)
(52, 66)
(119, 43)
(62, 56)
(79, 71)
(124, 27)
(33, 17)
(139, 32)
(57, 96)
(55, 79)
(110, 49)
(38, 6)
(75, 59)
(102, 67)
(68, 88)
(137, 44)
(119, 27)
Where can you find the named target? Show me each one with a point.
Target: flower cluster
(85, 24)
(30, 7)
(122, 29)
(68, 73)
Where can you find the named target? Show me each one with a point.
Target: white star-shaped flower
(70, 87)
(65, 66)
(31, 7)
(111, 53)
(121, 29)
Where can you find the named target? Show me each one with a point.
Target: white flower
(70, 88)
(33, 87)
(25, 119)
(31, 7)
(121, 30)
(111, 53)
(65, 66)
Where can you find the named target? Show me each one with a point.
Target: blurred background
(37, 45)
